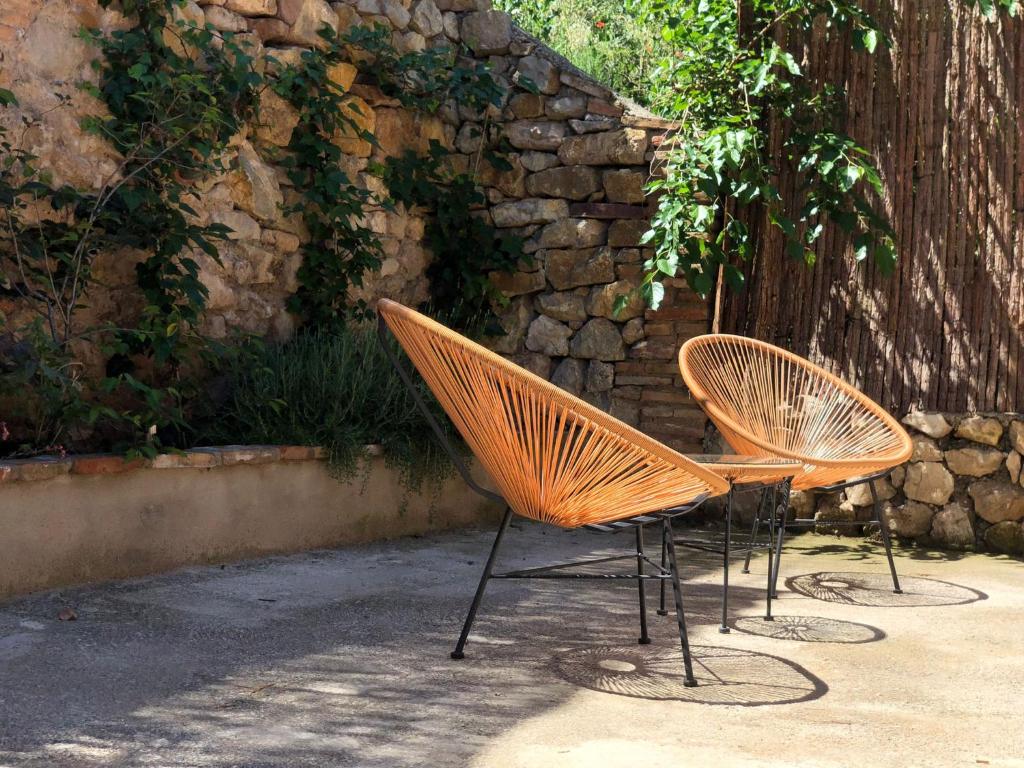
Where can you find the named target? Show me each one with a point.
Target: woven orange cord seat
(766, 400)
(554, 457)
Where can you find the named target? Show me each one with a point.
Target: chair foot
(457, 655)
(662, 612)
(897, 591)
(745, 570)
(644, 641)
(769, 618)
(689, 683)
(724, 630)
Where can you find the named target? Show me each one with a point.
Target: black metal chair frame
(778, 523)
(664, 572)
(725, 549)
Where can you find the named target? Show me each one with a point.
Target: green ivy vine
(176, 93)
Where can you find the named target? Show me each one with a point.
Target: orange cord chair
(766, 400)
(554, 457)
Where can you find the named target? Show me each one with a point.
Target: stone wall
(580, 159)
(962, 489)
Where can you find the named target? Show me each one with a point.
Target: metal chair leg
(781, 515)
(689, 681)
(771, 549)
(664, 563)
(753, 531)
(884, 528)
(488, 567)
(724, 628)
(644, 637)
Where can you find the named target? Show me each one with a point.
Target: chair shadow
(725, 676)
(875, 589)
(809, 629)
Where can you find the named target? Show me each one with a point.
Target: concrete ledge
(88, 519)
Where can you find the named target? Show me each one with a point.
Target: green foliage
(466, 247)
(601, 37)
(175, 93)
(732, 76)
(330, 388)
(340, 250)
(726, 81)
(990, 8)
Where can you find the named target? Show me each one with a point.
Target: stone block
(573, 268)
(928, 481)
(569, 375)
(575, 182)
(625, 147)
(565, 306)
(548, 336)
(520, 213)
(931, 424)
(487, 33)
(535, 134)
(925, 449)
(951, 527)
(602, 299)
(599, 339)
(996, 501)
(1005, 537)
(534, 72)
(974, 462)
(911, 520)
(980, 429)
(624, 186)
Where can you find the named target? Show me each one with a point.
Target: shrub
(330, 388)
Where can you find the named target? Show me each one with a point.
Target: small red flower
(600, 25)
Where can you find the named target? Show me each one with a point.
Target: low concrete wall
(78, 527)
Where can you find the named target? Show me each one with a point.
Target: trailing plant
(466, 247)
(174, 96)
(340, 249)
(330, 388)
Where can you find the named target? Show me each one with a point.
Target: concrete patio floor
(341, 659)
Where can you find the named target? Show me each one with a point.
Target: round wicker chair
(554, 457)
(765, 400)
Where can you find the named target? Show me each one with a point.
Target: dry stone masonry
(962, 488)
(579, 156)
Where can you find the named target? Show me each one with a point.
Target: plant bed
(100, 517)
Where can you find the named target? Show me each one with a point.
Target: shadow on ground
(341, 658)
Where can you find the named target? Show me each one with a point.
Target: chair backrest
(554, 457)
(767, 400)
